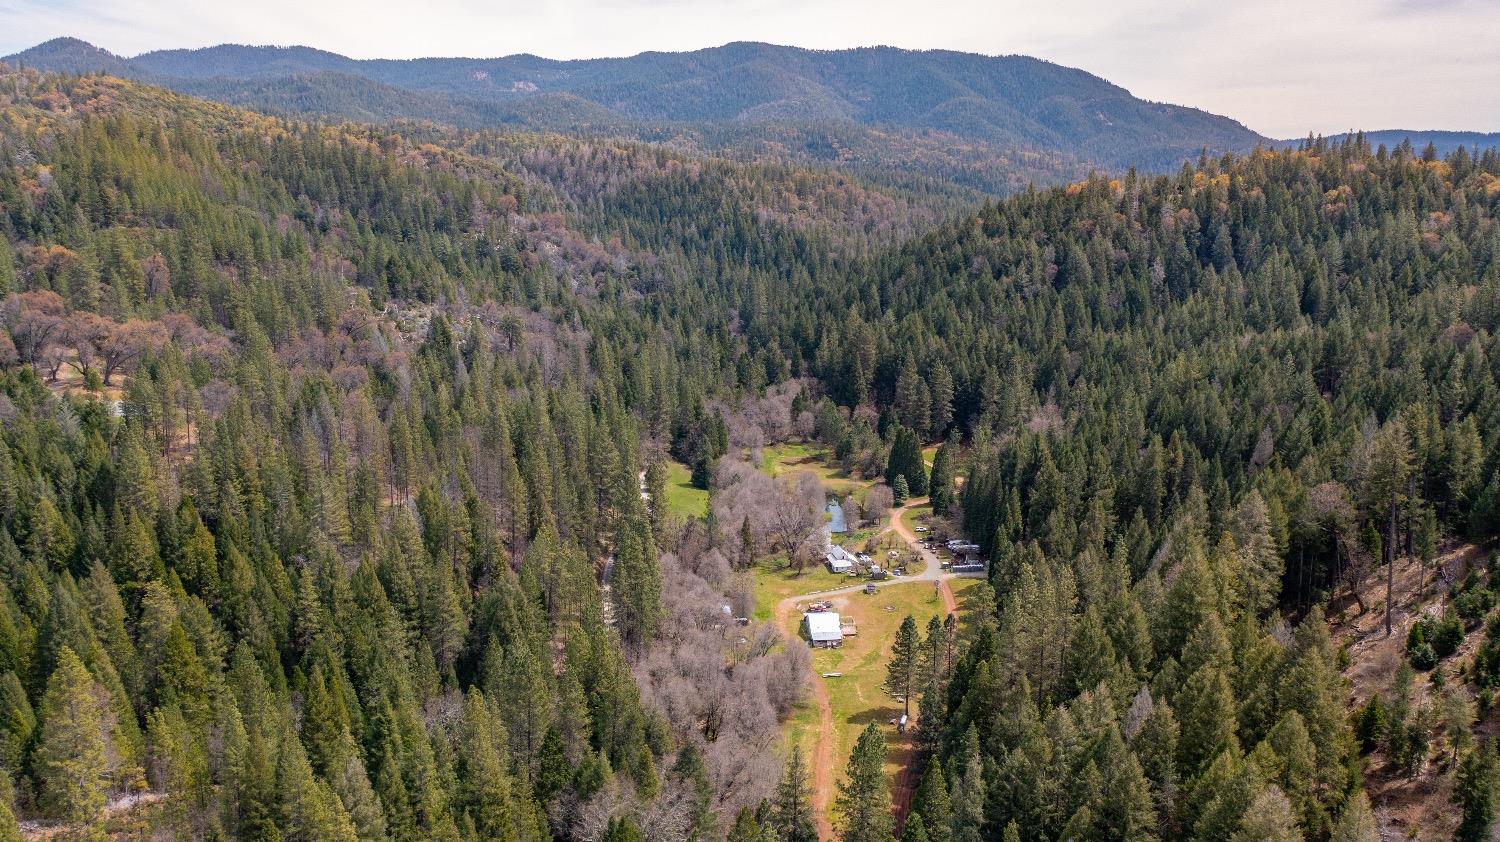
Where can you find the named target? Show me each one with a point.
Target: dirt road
(906, 782)
(788, 618)
(822, 764)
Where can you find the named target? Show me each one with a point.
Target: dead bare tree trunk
(1411, 499)
(1390, 567)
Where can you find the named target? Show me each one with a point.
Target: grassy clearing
(775, 582)
(856, 697)
(855, 537)
(916, 516)
(789, 457)
(879, 545)
(683, 500)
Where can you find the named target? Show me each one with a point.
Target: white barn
(823, 628)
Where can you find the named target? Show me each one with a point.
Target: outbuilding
(823, 629)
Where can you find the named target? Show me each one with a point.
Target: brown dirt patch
(1417, 807)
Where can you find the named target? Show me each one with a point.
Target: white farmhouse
(839, 560)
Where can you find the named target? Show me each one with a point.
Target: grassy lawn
(855, 537)
(683, 499)
(856, 697)
(775, 582)
(916, 516)
(793, 456)
(960, 470)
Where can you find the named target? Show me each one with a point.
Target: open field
(683, 500)
(916, 516)
(792, 456)
(856, 697)
(775, 582)
(855, 537)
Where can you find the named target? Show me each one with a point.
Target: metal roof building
(823, 628)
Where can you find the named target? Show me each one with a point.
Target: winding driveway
(785, 614)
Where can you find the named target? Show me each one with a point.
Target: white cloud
(1283, 67)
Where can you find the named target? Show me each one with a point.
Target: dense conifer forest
(331, 480)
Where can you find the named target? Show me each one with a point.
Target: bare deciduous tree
(878, 501)
(796, 513)
(720, 685)
(127, 342)
(84, 332)
(853, 514)
(34, 320)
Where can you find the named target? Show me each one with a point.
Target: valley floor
(842, 705)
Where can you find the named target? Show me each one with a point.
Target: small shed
(839, 560)
(968, 554)
(823, 629)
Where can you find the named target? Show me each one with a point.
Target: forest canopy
(331, 501)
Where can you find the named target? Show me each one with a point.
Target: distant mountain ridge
(1443, 141)
(1006, 102)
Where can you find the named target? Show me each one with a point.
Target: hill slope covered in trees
(1196, 404)
(324, 563)
(322, 451)
(892, 103)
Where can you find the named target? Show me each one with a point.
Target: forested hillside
(995, 123)
(1198, 404)
(317, 449)
(1444, 142)
(333, 502)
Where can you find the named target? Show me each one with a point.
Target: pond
(836, 522)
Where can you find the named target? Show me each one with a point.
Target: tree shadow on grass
(880, 716)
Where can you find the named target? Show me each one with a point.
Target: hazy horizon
(1282, 68)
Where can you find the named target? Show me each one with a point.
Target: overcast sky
(1282, 67)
